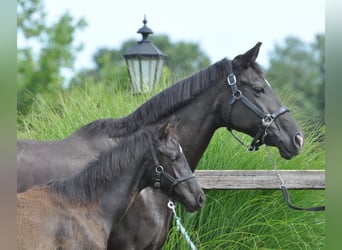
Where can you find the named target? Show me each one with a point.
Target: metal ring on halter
(267, 120)
(237, 94)
(159, 169)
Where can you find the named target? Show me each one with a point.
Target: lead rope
(284, 188)
(179, 225)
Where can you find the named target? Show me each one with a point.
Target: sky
(222, 28)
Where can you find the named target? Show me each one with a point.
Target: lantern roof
(144, 47)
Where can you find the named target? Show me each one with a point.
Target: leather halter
(266, 118)
(163, 180)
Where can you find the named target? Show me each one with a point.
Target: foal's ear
(244, 61)
(167, 128)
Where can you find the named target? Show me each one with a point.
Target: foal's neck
(114, 200)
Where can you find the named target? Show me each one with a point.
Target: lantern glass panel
(148, 73)
(134, 73)
(144, 72)
(159, 70)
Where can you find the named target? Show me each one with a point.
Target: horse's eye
(174, 158)
(259, 90)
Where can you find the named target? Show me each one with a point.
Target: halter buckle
(231, 79)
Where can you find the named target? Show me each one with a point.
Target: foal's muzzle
(166, 182)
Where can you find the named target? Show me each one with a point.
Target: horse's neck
(199, 121)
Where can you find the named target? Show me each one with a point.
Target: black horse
(79, 212)
(230, 93)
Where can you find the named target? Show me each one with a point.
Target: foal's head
(172, 173)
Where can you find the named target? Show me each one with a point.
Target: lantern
(144, 62)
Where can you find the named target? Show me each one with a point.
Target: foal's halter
(162, 179)
(266, 118)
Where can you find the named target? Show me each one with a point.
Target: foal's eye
(259, 90)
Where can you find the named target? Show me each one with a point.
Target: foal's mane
(159, 106)
(99, 173)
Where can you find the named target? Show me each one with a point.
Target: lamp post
(144, 62)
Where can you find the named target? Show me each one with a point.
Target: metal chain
(179, 225)
(275, 168)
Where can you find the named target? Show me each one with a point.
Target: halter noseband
(266, 118)
(162, 179)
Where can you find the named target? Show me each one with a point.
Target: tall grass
(230, 219)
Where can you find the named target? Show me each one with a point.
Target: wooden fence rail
(260, 179)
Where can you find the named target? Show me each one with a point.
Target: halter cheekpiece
(162, 179)
(266, 118)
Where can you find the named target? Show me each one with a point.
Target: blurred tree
(109, 67)
(39, 69)
(297, 70)
(183, 58)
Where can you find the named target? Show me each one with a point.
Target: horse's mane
(159, 106)
(99, 173)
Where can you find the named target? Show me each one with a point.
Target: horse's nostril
(299, 140)
(201, 200)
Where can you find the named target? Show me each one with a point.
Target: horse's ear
(244, 61)
(164, 130)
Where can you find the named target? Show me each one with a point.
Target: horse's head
(256, 110)
(173, 175)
